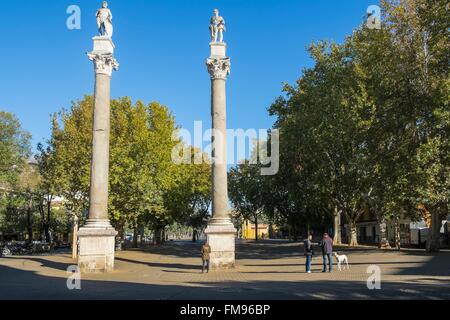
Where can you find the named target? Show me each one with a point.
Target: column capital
(219, 68)
(103, 63)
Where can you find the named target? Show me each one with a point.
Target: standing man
(327, 252)
(217, 27)
(309, 252)
(104, 20)
(206, 251)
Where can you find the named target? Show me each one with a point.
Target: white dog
(341, 259)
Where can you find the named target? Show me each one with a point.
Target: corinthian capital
(104, 63)
(219, 68)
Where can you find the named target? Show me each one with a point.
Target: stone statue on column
(217, 27)
(104, 20)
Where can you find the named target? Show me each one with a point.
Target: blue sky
(161, 46)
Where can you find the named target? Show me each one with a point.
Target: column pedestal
(97, 244)
(221, 235)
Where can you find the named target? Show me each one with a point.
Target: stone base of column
(221, 236)
(97, 246)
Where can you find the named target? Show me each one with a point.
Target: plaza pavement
(265, 270)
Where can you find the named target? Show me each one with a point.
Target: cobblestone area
(265, 270)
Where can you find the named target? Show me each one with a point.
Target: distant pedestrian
(206, 252)
(309, 252)
(327, 252)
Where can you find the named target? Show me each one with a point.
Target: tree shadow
(247, 249)
(334, 262)
(182, 249)
(44, 263)
(438, 265)
(267, 250)
(199, 271)
(162, 265)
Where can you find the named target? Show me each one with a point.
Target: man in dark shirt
(327, 252)
(309, 252)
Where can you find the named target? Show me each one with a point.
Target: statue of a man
(217, 27)
(104, 20)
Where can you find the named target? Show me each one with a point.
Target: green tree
(72, 143)
(14, 148)
(327, 131)
(367, 126)
(246, 192)
(16, 177)
(147, 189)
(190, 199)
(407, 64)
(51, 180)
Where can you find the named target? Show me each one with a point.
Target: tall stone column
(97, 237)
(220, 232)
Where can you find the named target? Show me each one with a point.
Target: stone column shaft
(219, 174)
(98, 210)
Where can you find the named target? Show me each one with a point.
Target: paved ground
(266, 270)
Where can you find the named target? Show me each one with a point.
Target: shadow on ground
(437, 264)
(272, 251)
(162, 265)
(266, 249)
(19, 284)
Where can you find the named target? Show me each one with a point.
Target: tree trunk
(75, 238)
(42, 227)
(47, 232)
(337, 227)
(256, 228)
(29, 222)
(434, 234)
(142, 236)
(384, 243)
(398, 244)
(47, 222)
(353, 240)
(194, 236)
(121, 235)
(271, 232)
(135, 237)
(159, 236)
(294, 234)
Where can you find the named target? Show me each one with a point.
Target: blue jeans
(330, 262)
(308, 263)
(205, 265)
